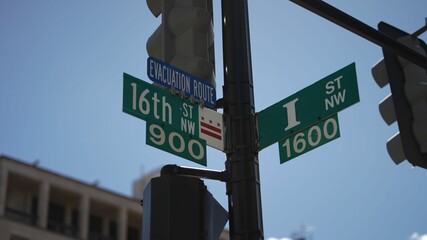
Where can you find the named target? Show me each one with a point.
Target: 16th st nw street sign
(153, 104)
(164, 113)
(308, 106)
(183, 124)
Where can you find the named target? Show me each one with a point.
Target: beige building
(38, 204)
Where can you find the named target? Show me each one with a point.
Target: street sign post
(309, 139)
(172, 77)
(308, 106)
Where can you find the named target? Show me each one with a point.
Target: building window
(112, 231)
(95, 227)
(56, 218)
(34, 210)
(133, 233)
(75, 222)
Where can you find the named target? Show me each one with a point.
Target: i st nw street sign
(183, 82)
(309, 139)
(308, 106)
(173, 114)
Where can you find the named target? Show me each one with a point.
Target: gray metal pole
(243, 186)
(352, 24)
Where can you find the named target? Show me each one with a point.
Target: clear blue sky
(61, 79)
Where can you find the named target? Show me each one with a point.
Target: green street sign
(178, 143)
(308, 106)
(153, 104)
(309, 139)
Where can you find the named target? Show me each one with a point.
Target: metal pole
(172, 169)
(420, 31)
(352, 24)
(243, 186)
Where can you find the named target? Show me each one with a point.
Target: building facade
(38, 204)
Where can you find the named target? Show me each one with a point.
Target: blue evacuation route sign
(172, 77)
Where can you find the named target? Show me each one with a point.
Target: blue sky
(61, 80)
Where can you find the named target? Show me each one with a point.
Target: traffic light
(407, 103)
(177, 207)
(185, 37)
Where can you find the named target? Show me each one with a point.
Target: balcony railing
(20, 216)
(99, 236)
(60, 227)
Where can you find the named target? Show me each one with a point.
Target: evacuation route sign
(172, 77)
(308, 106)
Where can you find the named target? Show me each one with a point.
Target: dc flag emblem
(211, 128)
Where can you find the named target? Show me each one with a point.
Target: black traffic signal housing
(178, 207)
(185, 38)
(408, 101)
